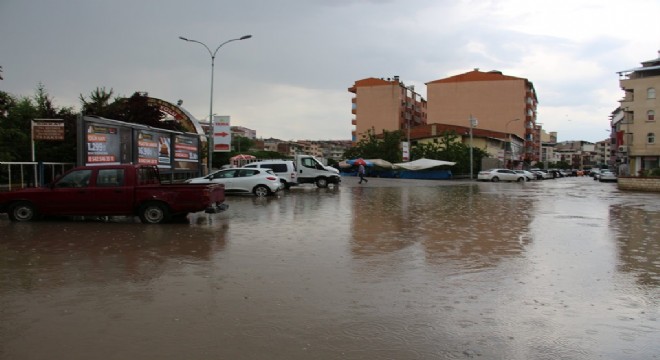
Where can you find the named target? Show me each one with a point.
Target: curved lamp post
(506, 129)
(210, 141)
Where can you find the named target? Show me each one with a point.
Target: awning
(422, 164)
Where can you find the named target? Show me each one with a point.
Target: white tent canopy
(381, 163)
(422, 164)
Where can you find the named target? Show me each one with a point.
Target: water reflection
(545, 270)
(53, 253)
(461, 223)
(637, 232)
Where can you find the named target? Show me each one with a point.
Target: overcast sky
(290, 79)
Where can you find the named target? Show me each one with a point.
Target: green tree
(16, 116)
(450, 148)
(386, 147)
(99, 102)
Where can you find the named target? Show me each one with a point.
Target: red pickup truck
(113, 190)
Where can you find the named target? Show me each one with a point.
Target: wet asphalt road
(392, 269)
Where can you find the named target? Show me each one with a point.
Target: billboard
(103, 144)
(48, 129)
(107, 142)
(186, 152)
(221, 134)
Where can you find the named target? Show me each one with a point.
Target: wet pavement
(392, 269)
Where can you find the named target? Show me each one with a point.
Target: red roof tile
(476, 75)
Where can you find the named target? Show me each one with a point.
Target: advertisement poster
(221, 134)
(186, 152)
(103, 145)
(153, 149)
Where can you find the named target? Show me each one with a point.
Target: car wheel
(261, 191)
(154, 213)
(495, 179)
(521, 179)
(322, 182)
(22, 211)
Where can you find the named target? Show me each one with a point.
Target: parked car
(542, 174)
(284, 169)
(260, 182)
(112, 190)
(607, 176)
(529, 176)
(495, 175)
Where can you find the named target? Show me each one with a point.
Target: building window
(650, 115)
(650, 138)
(650, 93)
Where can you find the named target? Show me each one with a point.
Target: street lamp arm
(244, 37)
(199, 42)
(213, 53)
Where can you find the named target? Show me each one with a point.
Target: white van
(284, 169)
(311, 171)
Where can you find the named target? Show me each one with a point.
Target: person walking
(361, 173)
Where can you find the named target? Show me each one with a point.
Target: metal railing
(19, 175)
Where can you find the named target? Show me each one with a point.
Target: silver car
(495, 175)
(607, 176)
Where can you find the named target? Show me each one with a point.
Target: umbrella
(359, 161)
(243, 157)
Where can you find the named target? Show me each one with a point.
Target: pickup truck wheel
(261, 191)
(322, 182)
(154, 213)
(22, 211)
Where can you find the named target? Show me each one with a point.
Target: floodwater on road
(393, 269)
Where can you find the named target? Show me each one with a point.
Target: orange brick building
(500, 103)
(385, 104)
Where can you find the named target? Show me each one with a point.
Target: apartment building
(636, 131)
(500, 103)
(602, 157)
(579, 154)
(385, 104)
(243, 132)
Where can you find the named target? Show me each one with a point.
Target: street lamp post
(473, 124)
(506, 129)
(210, 135)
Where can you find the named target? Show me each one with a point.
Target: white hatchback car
(495, 175)
(260, 182)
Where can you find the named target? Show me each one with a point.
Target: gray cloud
(290, 80)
